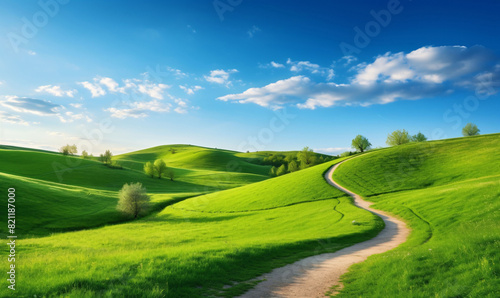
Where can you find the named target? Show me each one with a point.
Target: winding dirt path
(314, 276)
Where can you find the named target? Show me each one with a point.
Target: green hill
(449, 192)
(193, 253)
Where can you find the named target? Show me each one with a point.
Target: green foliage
(419, 137)
(106, 158)
(360, 143)
(171, 174)
(470, 129)
(293, 166)
(68, 149)
(306, 157)
(160, 167)
(133, 199)
(346, 154)
(281, 170)
(398, 137)
(273, 171)
(149, 169)
(85, 155)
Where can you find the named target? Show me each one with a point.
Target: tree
(272, 172)
(281, 170)
(102, 158)
(133, 199)
(171, 174)
(160, 167)
(68, 149)
(470, 129)
(398, 137)
(85, 155)
(419, 137)
(149, 169)
(107, 157)
(360, 143)
(306, 158)
(293, 166)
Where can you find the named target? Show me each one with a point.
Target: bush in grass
(134, 200)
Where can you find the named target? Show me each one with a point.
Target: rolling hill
(449, 192)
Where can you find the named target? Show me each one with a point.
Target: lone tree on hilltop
(134, 200)
(149, 169)
(68, 149)
(160, 167)
(398, 137)
(470, 129)
(85, 154)
(360, 143)
(419, 137)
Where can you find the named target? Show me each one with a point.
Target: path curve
(314, 276)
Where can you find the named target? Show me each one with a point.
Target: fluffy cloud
(190, 90)
(56, 91)
(137, 86)
(423, 73)
(274, 95)
(14, 119)
(220, 76)
(94, 88)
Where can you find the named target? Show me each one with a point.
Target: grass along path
(314, 276)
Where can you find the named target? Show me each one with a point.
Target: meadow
(449, 193)
(187, 249)
(223, 221)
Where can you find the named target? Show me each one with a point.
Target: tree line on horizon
(400, 137)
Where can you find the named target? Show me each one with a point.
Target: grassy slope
(60, 193)
(449, 191)
(179, 253)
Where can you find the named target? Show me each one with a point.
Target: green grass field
(223, 222)
(449, 193)
(196, 252)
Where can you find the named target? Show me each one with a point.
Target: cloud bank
(422, 73)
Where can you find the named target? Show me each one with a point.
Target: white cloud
(252, 31)
(14, 119)
(423, 73)
(277, 65)
(56, 91)
(109, 83)
(94, 88)
(273, 95)
(139, 109)
(348, 60)
(34, 106)
(177, 72)
(220, 76)
(301, 66)
(190, 90)
(76, 105)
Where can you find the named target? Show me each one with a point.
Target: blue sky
(244, 75)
